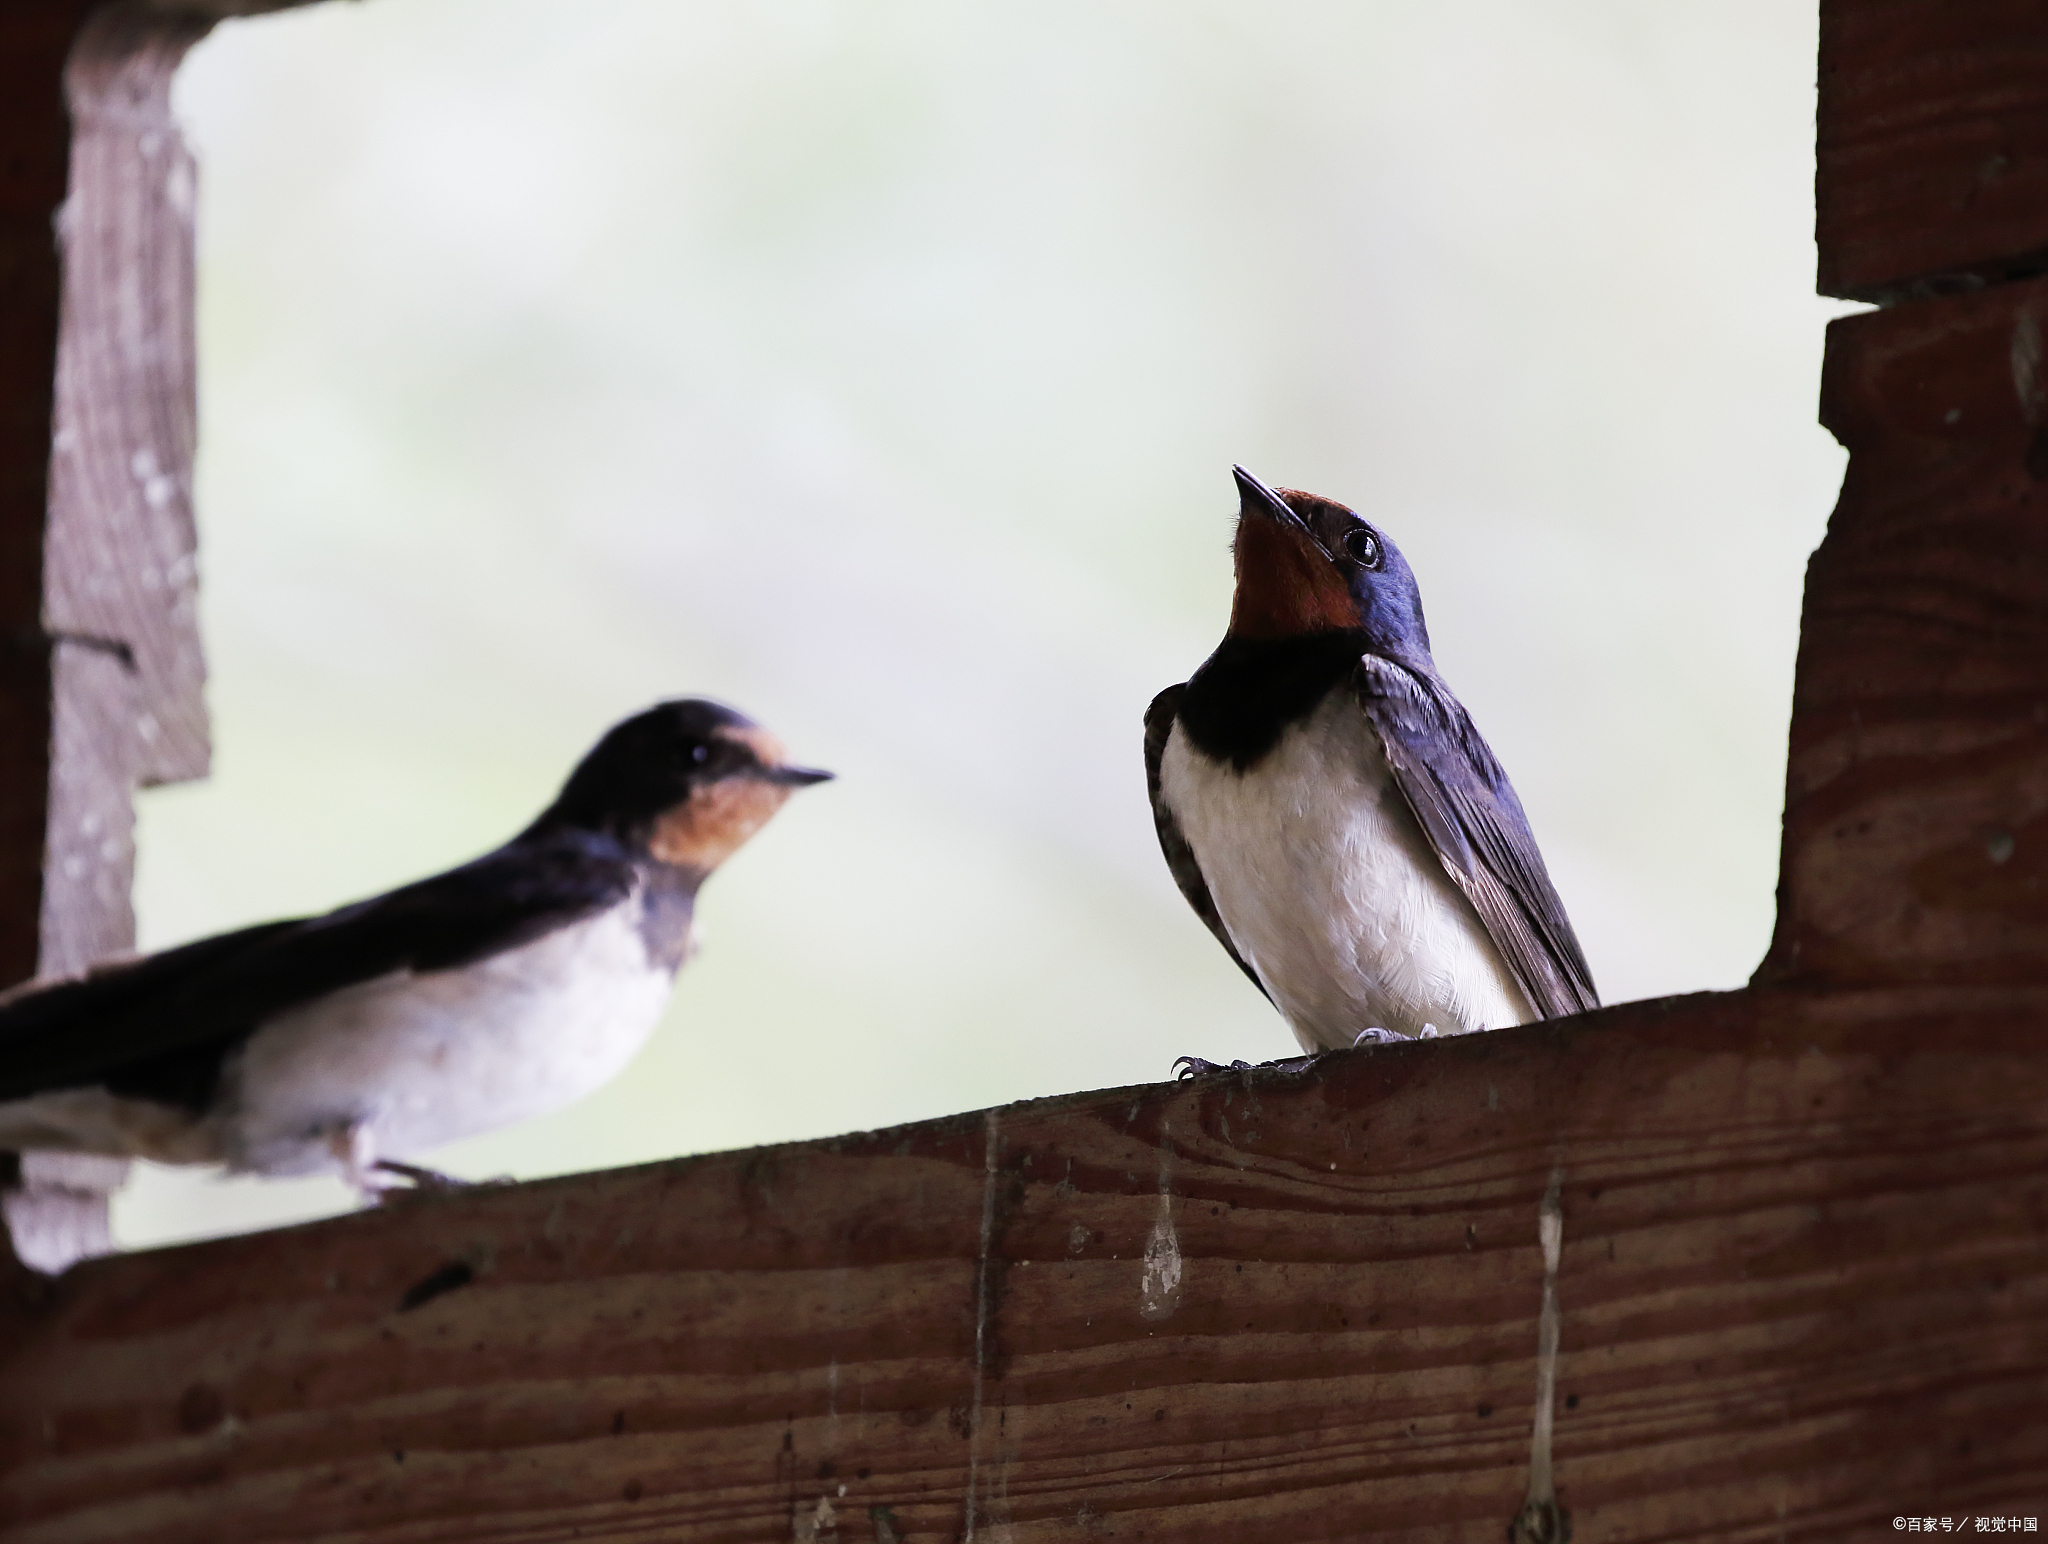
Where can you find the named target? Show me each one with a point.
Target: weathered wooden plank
(120, 583)
(96, 446)
(34, 41)
(120, 567)
(1932, 145)
(1916, 818)
(100, 665)
(1803, 1288)
(98, 414)
(103, 673)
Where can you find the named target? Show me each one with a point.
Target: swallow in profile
(1332, 814)
(346, 1043)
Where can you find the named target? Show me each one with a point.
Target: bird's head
(687, 781)
(1307, 565)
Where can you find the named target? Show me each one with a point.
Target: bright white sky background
(877, 366)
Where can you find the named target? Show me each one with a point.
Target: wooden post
(1916, 817)
(1746, 1266)
(100, 667)
(103, 673)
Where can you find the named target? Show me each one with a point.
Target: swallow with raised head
(346, 1043)
(1330, 811)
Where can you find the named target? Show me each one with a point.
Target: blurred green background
(878, 367)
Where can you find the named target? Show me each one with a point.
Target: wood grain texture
(35, 135)
(1803, 1288)
(101, 686)
(103, 673)
(120, 570)
(99, 466)
(1932, 145)
(1916, 820)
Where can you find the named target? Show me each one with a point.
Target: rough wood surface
(34, 42)
(1916, 819)
(1933, 145)
(1803, 1289)
(120, 575)
(101, 677)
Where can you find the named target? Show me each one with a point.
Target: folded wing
(1469, 811)
(1180, 857)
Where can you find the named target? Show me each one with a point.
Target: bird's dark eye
(1364, 547)
(699, 752)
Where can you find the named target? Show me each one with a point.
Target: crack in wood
(1159, 1283)
(453, 1275)
(984, 1308)
(1542, 1520)
(114, 646)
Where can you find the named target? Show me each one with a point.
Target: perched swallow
(1331, 813)
(497, 991)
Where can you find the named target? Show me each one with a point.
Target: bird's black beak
(794, 777)
(1255, 498)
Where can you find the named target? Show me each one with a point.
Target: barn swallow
(345, 1043)
(1331, 813)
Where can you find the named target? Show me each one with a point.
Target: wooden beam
(1916, 812)
(120, 583)
(1802, 1289)
(103, 672)
(34, 42)
(1933, 146)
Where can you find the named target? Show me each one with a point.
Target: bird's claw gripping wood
(1186, 1067)
(419, 1178)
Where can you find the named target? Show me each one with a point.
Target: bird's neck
(1251, 690)
(668, 905)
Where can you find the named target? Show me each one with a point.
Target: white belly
(427, 1059)
(1330, 890)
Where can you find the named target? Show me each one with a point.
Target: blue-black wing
(158, 1027)
(1180, 857)
(1470, 813)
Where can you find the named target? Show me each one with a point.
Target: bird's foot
(375, 1179)
(417, 1178)
(413, 1179)
(1186, 1067)
(1390, 1037)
